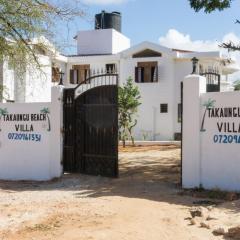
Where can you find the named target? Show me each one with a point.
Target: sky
(171, 23)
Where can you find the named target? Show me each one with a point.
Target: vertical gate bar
(68, 143)
(219, 85)
(181, 132)
(116, 130)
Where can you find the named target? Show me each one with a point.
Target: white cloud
(103, 2)
(178, 40)
(175, 39)
(231, 37)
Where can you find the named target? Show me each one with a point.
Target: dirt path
(144, 203)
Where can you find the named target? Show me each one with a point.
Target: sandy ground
(145, 202)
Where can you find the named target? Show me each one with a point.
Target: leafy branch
(212, 5)
(21, 21)
(129, 101)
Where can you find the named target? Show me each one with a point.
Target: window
(146, 72)
(163, 108)
(179, 112)
(111, 68)
(78, 73)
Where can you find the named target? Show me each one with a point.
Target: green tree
(3, 93)
(21, 21)
(129, 101)
(236, 85)
(28, 26)
(3, 111)
(212, 5)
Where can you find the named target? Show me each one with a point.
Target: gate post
(56, 168)
(194, 86)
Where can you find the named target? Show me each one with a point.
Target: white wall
(211, 156)
(182, 69)
(119, 42)
(40, 157)
(156, 125)
(172, 69)
(39, 81)
(29, 84)
(8, 81)
(220, 160)
(193, 86)
(151, 123)
(101, 41)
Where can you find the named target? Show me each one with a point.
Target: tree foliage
(129, 101)
(236, 85)
(28, 26)
(3, 93)
(23, 20)
(211, 5)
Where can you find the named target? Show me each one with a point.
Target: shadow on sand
(152, 175)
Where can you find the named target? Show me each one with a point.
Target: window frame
(179, 113)
(78, 73)
(146, 72)
(112, 66)
(163, 107)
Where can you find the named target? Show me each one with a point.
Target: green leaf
(210, 5)
(129, 101)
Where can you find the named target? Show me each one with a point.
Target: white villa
(156, 70)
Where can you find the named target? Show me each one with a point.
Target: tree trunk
(132, 139)
(203, 120)
(124, 142)
(49, 124)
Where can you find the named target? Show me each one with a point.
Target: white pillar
(193, 87)
(56, 168)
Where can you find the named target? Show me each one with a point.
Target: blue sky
(152, 19)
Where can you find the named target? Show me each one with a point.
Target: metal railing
(96, 78)
(213, 78)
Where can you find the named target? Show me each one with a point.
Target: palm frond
(209, 103)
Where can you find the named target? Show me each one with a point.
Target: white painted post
(193, 87)
(56, 168)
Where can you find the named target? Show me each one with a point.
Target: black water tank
(106, 20)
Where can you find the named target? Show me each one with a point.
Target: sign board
(24, 126)
(220, 140)
(25, 140)
(211, 137)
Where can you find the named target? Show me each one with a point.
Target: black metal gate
(213, 81)
(91, 127)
